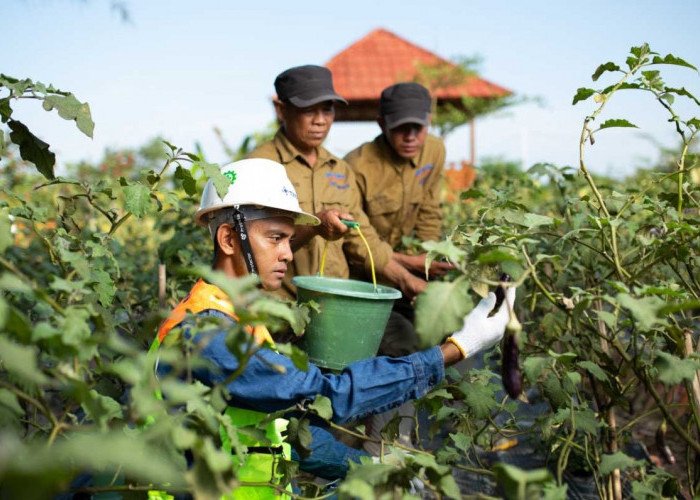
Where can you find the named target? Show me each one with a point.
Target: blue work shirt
(363, 388)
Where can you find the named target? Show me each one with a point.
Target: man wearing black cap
(398, 174)
(325, 185)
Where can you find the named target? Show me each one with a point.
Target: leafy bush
(608, 299)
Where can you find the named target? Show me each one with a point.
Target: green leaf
(462, 441)
(643, 309)
(104, 286)
(32, 149)
(582, 94)
(551, 491)
(616, 122)
(188, 182)
(12, 283)
(10, 412)
(298, 356)
(528, 220)
(21, 361)
(438, 393)
(495, 255)
(533, 366)
(481, 400)
(608, 66)
(518, 483)
(607, 317)
(271, 307)
(683, 92)
(299, 436)
(213, 172)
(445, 249)
(674, 370)
(440, 310)
(70, 108)
(5, 110)
(322, 407)
(138, 199)
(356, 487)
(683, 306)
(671, 59)
(554, 392)
(471, 194)
(449, 487)
(40, 471)
(594, 370)
(617, 460)
(101, 409)
(586, 421)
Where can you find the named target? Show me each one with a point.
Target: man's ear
(226, 239)
(279, 110)
(381, 123)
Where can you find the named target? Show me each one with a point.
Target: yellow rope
(371, 259)
(369, 252)
(323, 258)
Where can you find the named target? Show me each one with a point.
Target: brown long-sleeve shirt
(330, 183)
(401, 197)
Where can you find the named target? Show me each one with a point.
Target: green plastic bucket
(351, 322)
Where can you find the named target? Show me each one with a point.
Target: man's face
(306, 128)
(407, 139)
(270, 239)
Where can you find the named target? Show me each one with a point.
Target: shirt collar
(288, 152)
(388, 152)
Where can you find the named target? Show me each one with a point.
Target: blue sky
(180, 68)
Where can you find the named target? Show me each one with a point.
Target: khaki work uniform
(328, 184)
(401, 197)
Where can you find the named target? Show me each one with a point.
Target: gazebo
(381, 58)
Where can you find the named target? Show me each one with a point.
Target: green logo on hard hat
(231, 176)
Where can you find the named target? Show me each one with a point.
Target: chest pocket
(304, 196)
(383, 206)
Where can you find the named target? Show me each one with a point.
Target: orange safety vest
(202, 297)
(258, 467)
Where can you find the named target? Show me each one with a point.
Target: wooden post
(161, 286)
(472, 143)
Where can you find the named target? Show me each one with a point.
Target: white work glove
(479, 331)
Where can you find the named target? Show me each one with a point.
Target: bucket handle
(352, 225)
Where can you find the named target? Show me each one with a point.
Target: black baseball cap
(305, 86)
(404, 103)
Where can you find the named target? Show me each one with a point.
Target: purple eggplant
(664, 449)
(510, 368)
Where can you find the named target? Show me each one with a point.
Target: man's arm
(329, 457)
(364, 388)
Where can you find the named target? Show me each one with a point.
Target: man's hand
(399, 276)
(331, 228)
(416, 264)
(481, 331)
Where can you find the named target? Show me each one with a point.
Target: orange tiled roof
(382, 58)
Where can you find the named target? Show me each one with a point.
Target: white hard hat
(257, 182)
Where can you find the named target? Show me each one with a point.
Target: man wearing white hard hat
(252, 226)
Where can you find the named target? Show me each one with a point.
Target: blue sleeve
(364, 388)
(329, 458)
